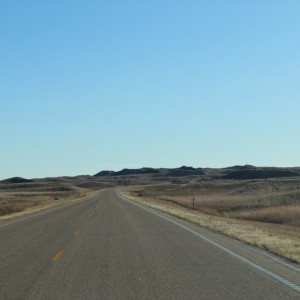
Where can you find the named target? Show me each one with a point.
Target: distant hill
(185, 171)
(16, 180)
(260, 174)
(126, 172)
(245, 167)
(176, 172)
(104, 173)
(233, 172)
(136, 171)
(108, 177)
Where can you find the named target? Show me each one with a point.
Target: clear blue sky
(93, 85)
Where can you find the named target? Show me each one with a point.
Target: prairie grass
(287, 214)
(272, 201)
(19, 197)
(280, 239)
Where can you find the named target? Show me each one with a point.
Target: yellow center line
(57, 255)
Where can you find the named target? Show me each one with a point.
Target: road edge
(293, 286)
(31, 212)
(221, 226)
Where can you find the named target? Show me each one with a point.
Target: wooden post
(193, 203)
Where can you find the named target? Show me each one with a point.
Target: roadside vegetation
(19, 196)
(265, 213)
(262, 212)
(267, 200)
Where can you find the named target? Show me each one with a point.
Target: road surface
(108, 247)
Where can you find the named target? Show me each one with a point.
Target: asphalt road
(109, 248)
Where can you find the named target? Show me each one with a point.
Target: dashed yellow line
(57, 255)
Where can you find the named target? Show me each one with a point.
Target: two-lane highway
(109, 248)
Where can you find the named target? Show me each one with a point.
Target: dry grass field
(271, 200)
(19, 195)
(265, 213)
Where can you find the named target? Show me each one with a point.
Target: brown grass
(287, 214)
(15, 198)
(273, 201)
(265, 213)
(282, 240)
(21, 198)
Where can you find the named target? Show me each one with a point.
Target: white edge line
(278, 278)
(263, 252)
(271, 256)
